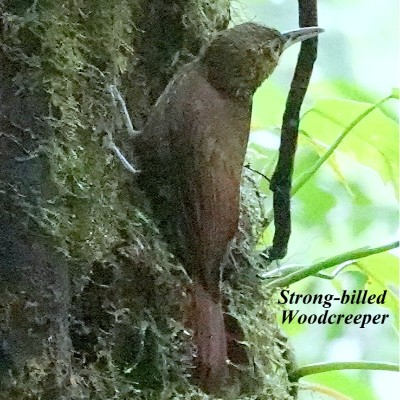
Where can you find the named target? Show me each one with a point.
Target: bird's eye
(276, 47)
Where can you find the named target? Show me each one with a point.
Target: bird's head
(239, 59)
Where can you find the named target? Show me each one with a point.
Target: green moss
(82, 48)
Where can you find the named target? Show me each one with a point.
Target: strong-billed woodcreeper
(191, 155)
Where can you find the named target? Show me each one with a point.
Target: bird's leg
(108, 140)
(109, 143)
(116, 96)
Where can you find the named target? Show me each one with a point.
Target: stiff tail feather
(216, 338)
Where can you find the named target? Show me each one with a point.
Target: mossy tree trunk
(91, 302)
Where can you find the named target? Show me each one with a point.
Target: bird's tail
(213, 340)
(206, 320)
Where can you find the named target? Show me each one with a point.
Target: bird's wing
(209, 141)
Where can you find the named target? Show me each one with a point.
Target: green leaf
(321, 149)
(373, 141)
(395, 93)
(268, 106)
(348, 383)
(383, 274)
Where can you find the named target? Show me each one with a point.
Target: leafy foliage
(345, 196)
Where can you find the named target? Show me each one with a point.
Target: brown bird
(191, 155)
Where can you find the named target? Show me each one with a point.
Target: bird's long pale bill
(300, 34)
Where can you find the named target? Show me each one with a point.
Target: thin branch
(282, 178)
(328, 263)
(335, 366)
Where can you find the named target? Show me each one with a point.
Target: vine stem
(313, 369)
(307, 271)
(281, 181)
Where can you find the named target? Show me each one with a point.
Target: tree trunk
(92, 305)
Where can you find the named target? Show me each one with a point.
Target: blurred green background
(352, 201)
